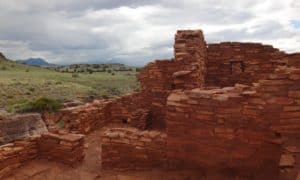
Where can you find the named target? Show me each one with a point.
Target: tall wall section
(233, 62)
(186, 71)
(191, 54)
(247, 131)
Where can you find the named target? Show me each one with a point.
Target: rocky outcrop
(20, 126)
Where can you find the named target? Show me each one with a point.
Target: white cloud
(135, 32)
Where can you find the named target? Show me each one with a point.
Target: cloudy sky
(138, 31)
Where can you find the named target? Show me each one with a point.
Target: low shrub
(32, 89)
(60, 124)
(39, 105)
(75, 75)
(3, 68)
(114, 91)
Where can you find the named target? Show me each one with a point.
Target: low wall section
(130, 149)
(65, 148)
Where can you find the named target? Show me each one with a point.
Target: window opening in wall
(278, 135)
(124, 121)
(237, 67)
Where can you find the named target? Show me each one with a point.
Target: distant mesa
(36, 62)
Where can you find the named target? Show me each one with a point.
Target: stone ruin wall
(190, 54)
(186, 71)
(248, 129)
(14, 155)
(243, 130)
(25, 137)
(65, 148)
(157, 81)
(211, 122)
(133, 149)
(220, 130)
(233, 62)
(126, 110)
(79, 119)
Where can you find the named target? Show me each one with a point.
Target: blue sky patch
(296, 23)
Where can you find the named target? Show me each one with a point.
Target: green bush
(3, 68)
(32, 89)
(75, 75)
(60, 124)
(39, 105)
(114, 91)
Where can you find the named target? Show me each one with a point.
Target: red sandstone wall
(14, 155)
(65, 148)
(229, 63)
(80, 119)
(191, 53)
(212, 130)
(86, 118)
(120, 109)
(130, 148)
(281, 100)
(233, 131)
(241, 128)
(186, 71)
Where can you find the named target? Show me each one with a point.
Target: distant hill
(36, 62)
(2, 56)
(20, 83)
(90, 68)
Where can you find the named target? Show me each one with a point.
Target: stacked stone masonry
(14, 155)
(133, 149)
(86, 118)
(65, 148)
(157, 81)
(233, 62)
(79, 119)
(190, 51)
(231, 108)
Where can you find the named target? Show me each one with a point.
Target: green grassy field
(19, 82)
